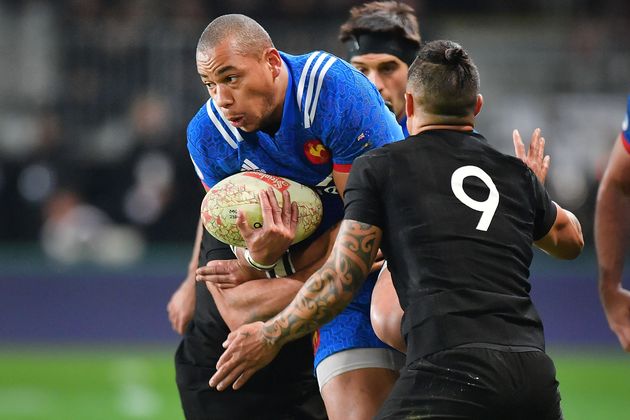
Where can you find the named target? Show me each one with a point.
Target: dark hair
(444, 80)
(382, 16)
(247, 34)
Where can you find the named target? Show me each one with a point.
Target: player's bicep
(617, 173)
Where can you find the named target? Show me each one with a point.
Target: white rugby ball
(220, 206)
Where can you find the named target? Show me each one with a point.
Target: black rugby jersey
(458, 220)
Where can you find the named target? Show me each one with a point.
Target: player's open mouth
(236, 121)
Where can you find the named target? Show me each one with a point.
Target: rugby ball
(220, 206)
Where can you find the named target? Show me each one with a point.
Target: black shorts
(476, 383)
(273, 393)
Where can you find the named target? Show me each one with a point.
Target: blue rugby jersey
(331, 115)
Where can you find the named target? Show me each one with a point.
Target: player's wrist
(260, 266)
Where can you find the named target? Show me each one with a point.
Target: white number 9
(487, 207)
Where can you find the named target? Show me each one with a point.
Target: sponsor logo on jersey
(277, 183)
(316, 152)
(315, 341)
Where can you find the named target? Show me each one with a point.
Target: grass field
(92, 384)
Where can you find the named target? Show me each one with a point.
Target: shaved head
(245, 34)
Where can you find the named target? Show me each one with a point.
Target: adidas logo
(248, 165)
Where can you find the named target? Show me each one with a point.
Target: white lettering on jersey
(487, 207)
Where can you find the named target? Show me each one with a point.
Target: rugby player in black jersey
(456, 221)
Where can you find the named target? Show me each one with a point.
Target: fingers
(243, 378)
(519, 147)
(241, 224)
(271, 211)
(534, 144)
(225, 375)
(295, 215)
(545, 167)
(218, 272)
(287, 208)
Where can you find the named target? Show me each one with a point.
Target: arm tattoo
(332, 287)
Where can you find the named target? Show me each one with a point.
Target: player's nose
(376, 80)
(223, 97)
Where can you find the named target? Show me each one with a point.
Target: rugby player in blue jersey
(612, 230)
(306, 118)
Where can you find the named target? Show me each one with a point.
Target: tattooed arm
(322, 297)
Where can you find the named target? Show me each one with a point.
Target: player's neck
(280, 85)
(424, 122)
(467, 127)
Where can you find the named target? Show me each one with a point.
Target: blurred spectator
(95, 94)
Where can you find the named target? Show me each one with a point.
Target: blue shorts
(350, 329)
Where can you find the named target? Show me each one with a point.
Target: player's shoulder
(209, 130)
(320, 76)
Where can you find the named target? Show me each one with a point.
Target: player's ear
(409, 105)
(271, 56)
(479, 104)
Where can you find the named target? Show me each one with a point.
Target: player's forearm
(611, 232)
(331, 288)
(564, 240)
(256, 300)
(194, 258)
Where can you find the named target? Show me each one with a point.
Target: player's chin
(249, 126)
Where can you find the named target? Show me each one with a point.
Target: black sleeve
(362, 196)
(546, 210)
(213, 249)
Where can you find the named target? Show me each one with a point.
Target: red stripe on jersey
(205, 187)
(345, 168)
(625, 141)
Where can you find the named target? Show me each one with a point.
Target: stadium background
(98, 199)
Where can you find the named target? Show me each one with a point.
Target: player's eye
(389, 68)
(210, 85)
(363, 70)
(231, 79)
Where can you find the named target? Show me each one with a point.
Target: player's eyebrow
(224, 69)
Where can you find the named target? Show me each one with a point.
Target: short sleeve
(363, 195)
(545, 209)
(199, 131)
(352, 117)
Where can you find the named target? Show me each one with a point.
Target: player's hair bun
(454, 55)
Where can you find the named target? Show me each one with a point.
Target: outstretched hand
(267, 244)
(247, 350)
(535, 158)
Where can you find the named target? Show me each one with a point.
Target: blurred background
(99, 200)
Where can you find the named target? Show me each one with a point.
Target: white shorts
(360, 358)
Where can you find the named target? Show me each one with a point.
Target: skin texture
(612, 230)
(389, 74)
(248, 88)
